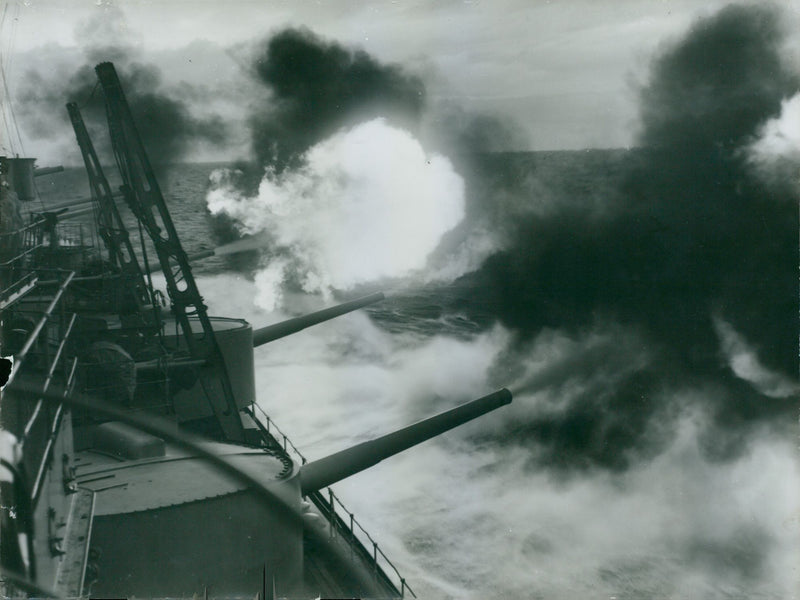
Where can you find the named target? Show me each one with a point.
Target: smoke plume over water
(696, 236)
(169, 127)
(367, 204)
(348, 195)
(649, 335)
(318, 87)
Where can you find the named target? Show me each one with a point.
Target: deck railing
(16, 250)
(37, 427)
(21, 253)
(341, 521)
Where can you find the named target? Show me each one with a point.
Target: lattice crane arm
(143, 195)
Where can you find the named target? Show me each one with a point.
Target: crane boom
(143, 195)
(109, 222)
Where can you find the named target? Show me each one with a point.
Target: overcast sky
(565, 73)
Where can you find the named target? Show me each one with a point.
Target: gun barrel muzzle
(326, 471)
(155, 267)
(278, 330)
(40, 172)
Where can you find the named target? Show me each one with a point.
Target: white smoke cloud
(269, 282)
(369, 203)
(745, 364)
(775, 153)
(781, 136)
(466, 255)
(600, 357)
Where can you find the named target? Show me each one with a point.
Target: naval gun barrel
(78, 202)
(155, 267)
(40, 172)
(278, 330)
(326, 471)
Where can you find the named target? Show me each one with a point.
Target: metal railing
(21, 253)
(34, 335)
(352, 528)
(18, 286)
(39, 234)
(55, 425)
(341, 521)
(37, 427)
(50, 372)
(284, 439)
(72, 235)
(30, 234)
(16, 250)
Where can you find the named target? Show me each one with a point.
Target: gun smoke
(694, 236)
(642, 309)
(335, 141)
(647, 331)
(371, 191)
(318, 87)
(167, 125)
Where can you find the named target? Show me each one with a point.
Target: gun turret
(326, 471)
(278, 330)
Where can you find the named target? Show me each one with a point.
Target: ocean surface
(510, 506)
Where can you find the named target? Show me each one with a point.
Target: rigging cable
(6, 126)
(12, 38)
(91, 95)
(8, 107)
(7, 49)
(5, 101)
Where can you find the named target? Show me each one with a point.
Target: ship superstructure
(136, 460)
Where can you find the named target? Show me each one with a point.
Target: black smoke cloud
(717, 86)
(691, 235)
(314, 87)
(459, 133)
(167, 125)
(317, 87)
